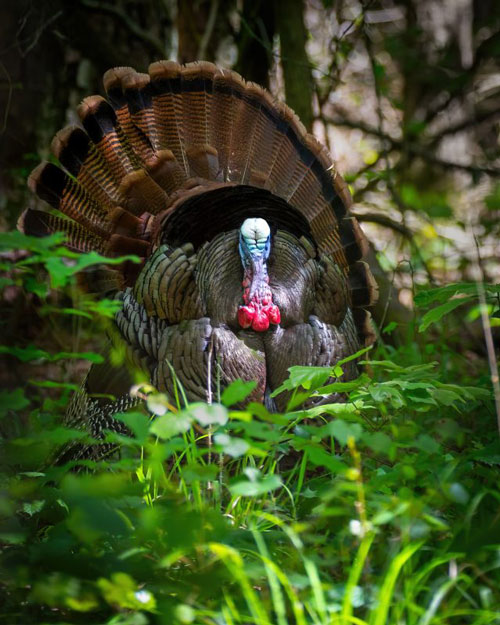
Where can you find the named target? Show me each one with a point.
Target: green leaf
(378, 442)
(354, 356)
(170, 424)
(31, 352)
(443, 294)
(435, 314)
(61, 270)
(157, 403)
(196, 472)
(390, 327)
(261, 486)
(489, 454)
(33, 507)
(123, 591)
(237, 391)
(16, 240)
(343, 387)
(137, 422)
(427, 444)
(208, 414)
(52, 384)
(342, 430)
(230, 445)
(321, 458)
(445, 397)
(308, 377)
(12, 400)
(385, 393)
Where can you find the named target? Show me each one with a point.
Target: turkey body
(250, 261)
(187, 302)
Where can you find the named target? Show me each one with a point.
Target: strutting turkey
(251, 261)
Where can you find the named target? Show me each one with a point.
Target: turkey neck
(256, 281)
(258, 310)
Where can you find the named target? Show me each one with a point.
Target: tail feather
(364, 289)
(74, 150)
(64, 194)
(246, 113)
(196, 85)
(227, 89)
(167, 107)
(78, 238)
(101, 123)
(140, 106)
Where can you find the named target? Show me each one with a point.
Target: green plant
(382, 509)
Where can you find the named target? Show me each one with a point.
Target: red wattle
(258, 310)
(245, 316)
(260, 322)
(274, 314)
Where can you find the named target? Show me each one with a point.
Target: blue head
(255, 241)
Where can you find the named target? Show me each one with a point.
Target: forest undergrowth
(380, 510)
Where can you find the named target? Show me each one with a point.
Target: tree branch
(156, 44)
(384, 220)
(412, 148)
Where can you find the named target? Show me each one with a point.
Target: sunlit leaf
(237, 391)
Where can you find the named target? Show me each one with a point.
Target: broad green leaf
(342, 430)
(444, 294)
(237, 391)
(378, 442)
(208, 414)
(12, 400)
(157, 403)
(308, 377)
(16, 240)
(247, 488)
(435, 314)
(427, 444)
(321, 458)
(197, 472)
(61, 270)
(31, 352)
(342, 387)
(33, 507)
(170, 424)
(137, 422)
(230, 445)
(390, 327)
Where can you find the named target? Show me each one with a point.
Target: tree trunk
(296, 67)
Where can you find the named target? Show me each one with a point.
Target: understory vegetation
(383, 509)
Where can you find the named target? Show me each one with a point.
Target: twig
(395, 144)
(202, 48)
(384, 220)
(464, 124)
(488, 336)
(9, 100)
(39, 32)
(128, 22)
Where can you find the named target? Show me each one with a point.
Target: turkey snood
(258, 310)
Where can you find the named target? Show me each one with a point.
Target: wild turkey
(251, 261)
